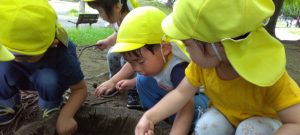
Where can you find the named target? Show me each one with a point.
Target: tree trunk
(81, 7)
(273, 20)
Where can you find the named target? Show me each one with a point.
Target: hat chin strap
(162, 54)
(216, 51)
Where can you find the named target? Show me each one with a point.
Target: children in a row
(241, 66)
(160, 63)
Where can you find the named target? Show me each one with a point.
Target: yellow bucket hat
(30, 26)
(140, 26)
(5, 55)
(259, 58)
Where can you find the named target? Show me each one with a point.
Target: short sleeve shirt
(239, 99)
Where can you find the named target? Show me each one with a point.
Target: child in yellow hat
(240, 65)
(113, 11)
(44, 61)
(160, 64)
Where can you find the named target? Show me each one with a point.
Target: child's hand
(125, 85)
(102, 44)
(66, 126)
(144, 127)
(105, 88)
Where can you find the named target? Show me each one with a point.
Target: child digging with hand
(240, 65)
(45, 61)
(160, 64)
(113, 11)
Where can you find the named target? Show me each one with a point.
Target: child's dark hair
(137, 52)
(108, 5)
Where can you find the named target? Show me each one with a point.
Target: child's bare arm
(125, 72)
(109, 85)
(126, 84)
(167, 106)
(184, 118)
(290, 119)
(66, 123)
(107, 42)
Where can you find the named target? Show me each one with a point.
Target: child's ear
(166, 48)
(55, 43)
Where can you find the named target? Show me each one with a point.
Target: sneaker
(7, 114)
(133, 100)
(49, 120)
(48, 113)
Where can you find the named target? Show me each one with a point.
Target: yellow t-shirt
(239, 99)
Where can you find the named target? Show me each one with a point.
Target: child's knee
(213, 123)
(258, 125)
(45, 78)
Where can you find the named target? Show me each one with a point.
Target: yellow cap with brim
(29, 26)
(140, 26)
(5, 55)
(214, 20)
(259, 58)
(132, 3)
(218, 20)
(172, 31)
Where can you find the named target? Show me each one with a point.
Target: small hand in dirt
(125, 85)
(105, 88)
(144, 127)
(66, 126)
(102, 44)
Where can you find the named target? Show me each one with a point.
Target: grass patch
(155, 3)
(295, 31)
(88, 36)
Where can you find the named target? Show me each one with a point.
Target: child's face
(148, 64)
(203, 54)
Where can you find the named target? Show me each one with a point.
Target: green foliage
(291, 8)
(73, 12)
(88, 36)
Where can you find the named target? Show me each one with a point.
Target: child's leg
(201, 104)
(258, 126)
(213, 122)
(50, 91)
(149, 91)
(10, 80)
(114, 62)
